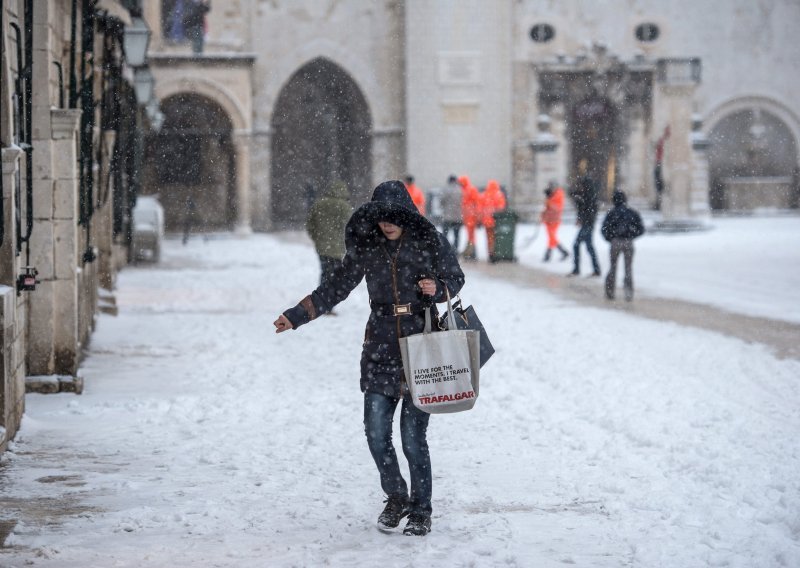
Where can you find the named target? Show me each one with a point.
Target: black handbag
(466, 318)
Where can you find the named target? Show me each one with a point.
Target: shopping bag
(442, 368)
(466, 318)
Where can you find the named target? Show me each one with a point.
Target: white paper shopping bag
(442, 368)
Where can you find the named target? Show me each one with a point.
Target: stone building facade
(307, 91)
(64, 187)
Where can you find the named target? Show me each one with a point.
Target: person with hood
(492, 201)
(551, 217)
(621, 225)
(325, 225)
(585, 198)
(470, 211)
(417, 195)
(408, 266)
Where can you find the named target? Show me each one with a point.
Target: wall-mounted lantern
(137, 39)
(143, 85)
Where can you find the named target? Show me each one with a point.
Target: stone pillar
(677, 82)
(65, 123)
(260, 174)
(388, 157)
(637, 160)
(12, 381)
(546, 160)
(241, 143)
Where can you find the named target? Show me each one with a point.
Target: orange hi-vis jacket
(417, 196)
(553, 207)
(470, 202)
(492, 201)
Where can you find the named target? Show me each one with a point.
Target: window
(647, 32)
(542, 33)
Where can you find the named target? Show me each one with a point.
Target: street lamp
(137, 38)
(143, 85)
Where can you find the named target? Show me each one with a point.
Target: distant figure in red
(492, 201)
(551, 217)
(657, 174)
(417, 195)
(471, 211)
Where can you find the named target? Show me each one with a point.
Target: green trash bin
(505, 229)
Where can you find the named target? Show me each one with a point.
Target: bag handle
(450, 315)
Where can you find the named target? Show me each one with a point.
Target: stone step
(51, 384)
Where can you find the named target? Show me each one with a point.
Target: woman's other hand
(428, 286)
(282, 324)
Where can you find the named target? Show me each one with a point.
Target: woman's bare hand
(428, 286)
(282, 324)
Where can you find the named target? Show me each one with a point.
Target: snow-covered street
(599, 439)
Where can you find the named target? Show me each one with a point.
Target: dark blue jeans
(584, 236)
(378, 413)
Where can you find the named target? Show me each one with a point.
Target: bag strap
(450, 315)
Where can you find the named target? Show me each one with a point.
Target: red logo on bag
(446, 397)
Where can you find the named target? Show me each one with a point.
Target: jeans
(455, 227)
(378, 413)
(625, 248)
(585, 236)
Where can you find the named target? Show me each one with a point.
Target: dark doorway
(593, 137)
(190, 164)
(321, 133)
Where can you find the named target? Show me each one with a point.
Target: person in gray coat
(451, 210)
(621, 225)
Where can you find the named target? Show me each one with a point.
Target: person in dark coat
(325, 225)
(407, 264)
(585, 198)
(621, 225)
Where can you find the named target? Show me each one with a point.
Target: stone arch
(754, 154)
(321, 132)
(191, 163)
(209, 89)
(360, 72)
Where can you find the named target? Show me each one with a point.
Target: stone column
(260, 174)
(546, 160)
(241, 144)
(65, 123)
(677, 82)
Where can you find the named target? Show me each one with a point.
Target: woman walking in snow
(407, 264)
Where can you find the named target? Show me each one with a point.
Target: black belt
(389, 310)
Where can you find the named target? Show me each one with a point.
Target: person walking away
(620, 227)
(551, 217)
(451, 211)
(658, 175)
(470, 213)
(325, 225)
(417, 195)
(585, 198)
(194, 20)
(492, 201)
(408, 265)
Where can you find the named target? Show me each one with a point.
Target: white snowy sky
(599, 439)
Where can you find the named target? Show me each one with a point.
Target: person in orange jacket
(492, 201)
(417, 195)
(470, 210)
(551, 217)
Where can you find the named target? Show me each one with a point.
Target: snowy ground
(600, 439)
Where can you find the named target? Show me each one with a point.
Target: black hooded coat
(392, 270)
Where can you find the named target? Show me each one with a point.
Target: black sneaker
(396, 508)
(418, 525)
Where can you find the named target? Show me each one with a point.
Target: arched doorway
(190, 163)
(321, 133)
(592, 131)
(752, 161)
